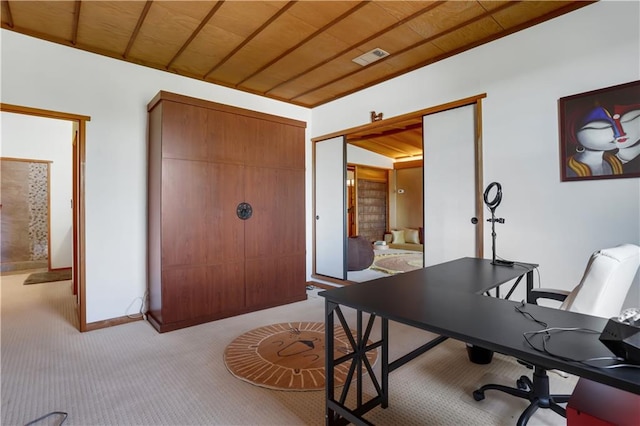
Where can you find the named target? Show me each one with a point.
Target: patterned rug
(288, 356)
(396, 263)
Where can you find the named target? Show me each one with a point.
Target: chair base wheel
(478, 395)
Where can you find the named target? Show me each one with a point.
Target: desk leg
(530, 286)
(330, 415)
(385, 363)
(337, 412)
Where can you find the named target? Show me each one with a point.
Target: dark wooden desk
(447, 299)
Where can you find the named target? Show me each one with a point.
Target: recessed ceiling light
(371, 56)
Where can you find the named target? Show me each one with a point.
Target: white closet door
(449, 184)
(330, 184)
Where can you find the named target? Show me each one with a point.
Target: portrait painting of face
(600, 133)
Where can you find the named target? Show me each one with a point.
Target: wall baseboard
(112, 322)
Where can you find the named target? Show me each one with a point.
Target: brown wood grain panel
(482, 29)
(167, 26)
(154, 225)
(324, 45)
(188, 100)
(272, 41)
(274, 280)
(274, 145)
(202, 291)
(55, 18)
(277, 226)
(522, 12)
(225, 232)
(184, 132)
(96, 24)
(185, 215)
(318, 14)
(355, 28)
(228, 135)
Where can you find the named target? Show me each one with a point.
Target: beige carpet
(288, 356)
(132, 375)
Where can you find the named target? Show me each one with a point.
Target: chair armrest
(547, 293)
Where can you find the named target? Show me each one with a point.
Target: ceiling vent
(371, 56)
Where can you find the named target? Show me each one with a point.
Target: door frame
(479, 173)
(78, 226)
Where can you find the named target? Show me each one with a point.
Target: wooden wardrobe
(226, 231)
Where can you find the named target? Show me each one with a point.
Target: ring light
(492, 204)
(497, 198)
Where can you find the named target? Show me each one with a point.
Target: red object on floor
(595, 404)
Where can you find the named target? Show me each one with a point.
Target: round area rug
(288, 356)
(396, 263)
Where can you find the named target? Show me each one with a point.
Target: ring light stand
(492, 205)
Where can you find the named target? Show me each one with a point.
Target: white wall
(38, 138)
(555, 224)
(114, 94)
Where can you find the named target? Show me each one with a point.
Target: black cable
(546, 332)
(62, 413)
(528, 315)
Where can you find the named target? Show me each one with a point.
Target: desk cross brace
(510, 292)
(337, 411)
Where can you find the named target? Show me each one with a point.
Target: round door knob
(474, 220)
(244, 211)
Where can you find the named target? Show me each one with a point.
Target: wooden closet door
(274, 236)
(203, 253)
(202, 250)
(226, 235)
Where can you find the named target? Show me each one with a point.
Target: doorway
(378, 137)
(77, 161)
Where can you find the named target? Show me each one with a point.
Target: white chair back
(605, 283)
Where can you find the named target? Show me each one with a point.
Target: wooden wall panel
(184, 132)
(185, 204)
(228, 136)
(203, 293)
(275, 145)
(225, 232)
(275, 280)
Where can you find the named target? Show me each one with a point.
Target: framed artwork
(600, 133)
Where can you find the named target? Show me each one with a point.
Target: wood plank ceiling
(299, 52)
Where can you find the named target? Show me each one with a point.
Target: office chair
(601, 292)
